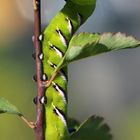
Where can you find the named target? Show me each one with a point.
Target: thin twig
(30, 124)
(52, 78)
(35, 3)
(40, 135)
(56, 71)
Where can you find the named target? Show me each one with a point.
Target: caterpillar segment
(55, 42)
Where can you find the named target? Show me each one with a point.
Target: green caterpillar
(54, 45)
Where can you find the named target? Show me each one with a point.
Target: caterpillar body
(54, 45)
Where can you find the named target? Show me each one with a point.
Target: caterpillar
(55, 42)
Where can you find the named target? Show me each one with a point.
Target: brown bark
(39, 71)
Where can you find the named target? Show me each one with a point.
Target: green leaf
(81, 46)
(92, 129)
(85, 44)
(118, 41)
(73, 124)
(6, 107)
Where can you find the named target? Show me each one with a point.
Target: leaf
(6, 107)
(81, 46)
(73, 125)
(92, 129)
(118, 41)
(85, 44)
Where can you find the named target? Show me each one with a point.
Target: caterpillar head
(84, 2)
(84, 7)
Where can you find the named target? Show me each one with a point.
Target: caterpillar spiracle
(54, 45)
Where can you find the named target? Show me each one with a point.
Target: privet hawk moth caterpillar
(55, 42)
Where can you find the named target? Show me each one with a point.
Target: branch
(39, 72)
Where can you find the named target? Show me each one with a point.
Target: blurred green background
(106, 85)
